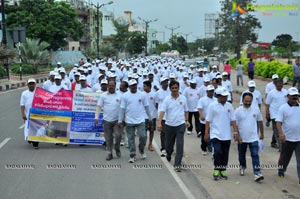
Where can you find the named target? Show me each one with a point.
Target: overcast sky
(189, 15)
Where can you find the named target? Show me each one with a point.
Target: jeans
(221, 153)
(140, 130)
(251, 75)
(111, 131)
(253, 146)
(175, 133)
(238, 78)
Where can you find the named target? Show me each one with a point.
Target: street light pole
(98, 6)
(172, 31)
(146, 32)
(4, 38)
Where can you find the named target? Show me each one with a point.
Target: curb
(17, 84)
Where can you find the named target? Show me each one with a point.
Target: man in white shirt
(175, 110)
(109, 103)
(271, 85)
(26, 104)
(203, 105)
(133, 104)
(214, 72)
(219, 119)
(247, 117)
(288, 127)
(275, 99)
(257, 98)
(192, 96)
(57, 86)
(50, 81)
(227, 84)
(83, 85)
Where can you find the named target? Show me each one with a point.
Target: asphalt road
(80, 172)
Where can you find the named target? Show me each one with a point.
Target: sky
(189, 15)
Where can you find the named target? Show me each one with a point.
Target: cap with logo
(251, 83)
(132, 82)
(222, 91)
(293, 91)
(31, 80)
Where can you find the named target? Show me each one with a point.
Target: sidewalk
(15, 81)
(244, 186)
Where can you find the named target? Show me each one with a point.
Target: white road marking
(22, 126)
(4, 142)
(181, 184)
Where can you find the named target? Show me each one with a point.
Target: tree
(6, 53)
(119, 40)
(136, 42)
(283, 44)
(179, 44)
(108, 50)
(235, 29)
(161, 48)
(34, 52)
(51, 21)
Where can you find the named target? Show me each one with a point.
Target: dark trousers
(175, 133)
(286, 153)
(203, 142)
(275, 137)
(251, 75)
(162, 136)
(295, 81)
(197, 121)
(221, 153)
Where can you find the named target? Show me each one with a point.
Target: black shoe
(168, 158)
(274, 145)
(109, 157)
(118, 153)
(280, 174)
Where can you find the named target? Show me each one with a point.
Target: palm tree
(34, 52)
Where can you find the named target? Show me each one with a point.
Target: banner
(65, 117)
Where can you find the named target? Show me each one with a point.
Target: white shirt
(96, 87)
(202, 91)
(275, 99)
(47, 84)
(26, 100)
(160, 96)
(220, 118)
(54, 88)
(227, 84)
(86, 89)
(203, 104)
(110, 106)
(257, 98)
(289, 116)
(200, 81)
(269, 87)
(174, 110)
(151, 99)
(192, 96)
(67, 83)
(134, 105)
(246, 119)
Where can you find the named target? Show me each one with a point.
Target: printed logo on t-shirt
(117, 100)
(254, 115)
(140, 100)
(191, 94)
(180, 103)
(228, 110)
(151, 98)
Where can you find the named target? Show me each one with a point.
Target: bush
(2, 71)
(26, 69)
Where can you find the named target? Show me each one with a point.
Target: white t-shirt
(47, 84)
(227, 84)
(110, 106)
(275, 99)
(246, 119)
(151, 99)
(134, 105)
(192, 96)
(220, 118)
(26, 100)
(203, 104)
(269, 87)
(174, 110)
(54, 88)
(66, 82)
(257, 98)
(160, 96)
(289, 116)
(202, 91)
(86, 89)
(96, 87)
(200, 81)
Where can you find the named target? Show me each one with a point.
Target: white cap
(192, 66)
(58, 63)
(104, 81)
(76, 65)
(82, 77)
(214, 66)
(89, 68)
(145, 73)
(222, 91)
(172, 75)
(185, 75)
(293, 91)
(62, 70)
(132, 82)
(224, 73)
(219, 77)
(150, 73)
(163, 78)
(52, 73)
(251, 83)
(206, 79)
(77, 74)
(204, 69)
(31, 80)
(193, 81)
(57, 76)
(112, 75)
(275, 76)
(200, 70)
(210, 88)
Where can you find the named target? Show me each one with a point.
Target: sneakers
(224, 175)
(144, 156)
(163, 153)
(199, 134)
(150, 147)
(109, 157)
(178, 168)
(242, 171)
(118, 153)
(258, 177)
(36, 147)
(216, 175)
(274, 145)
(189, 132)
(204, 153)
(122, 143)
(280, 174)
(132, 160)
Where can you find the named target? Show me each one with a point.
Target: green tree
(179, 44)
(6, 53)
(283, 44)
(235, 29)
(34, 52)
(51, 21)
(119, 40)
(161, 48)
(108, 50)
(136, 42)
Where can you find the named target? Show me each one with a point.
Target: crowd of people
(163, 94)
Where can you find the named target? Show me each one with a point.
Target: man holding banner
(109, 103)
(26, 103)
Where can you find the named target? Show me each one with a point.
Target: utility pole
(98, 6)
(172, 31)
(4, 38)
(186, 36)
(146, 32)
